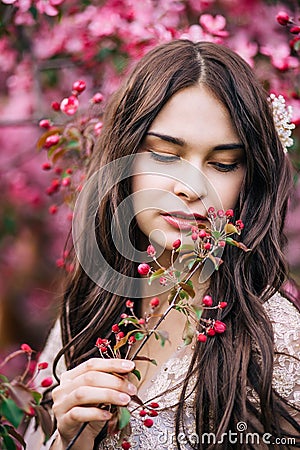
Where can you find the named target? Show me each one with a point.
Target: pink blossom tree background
(45, 46)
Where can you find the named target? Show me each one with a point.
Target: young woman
(194, 129)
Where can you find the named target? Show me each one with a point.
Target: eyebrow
(182, 142)
(167, 138)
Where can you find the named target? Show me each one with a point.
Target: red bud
(282, 18)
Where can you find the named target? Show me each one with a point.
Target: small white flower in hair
(282, 115)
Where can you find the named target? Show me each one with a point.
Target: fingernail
(129, 365)
(106, 415)
(131, 389)
(124, 398)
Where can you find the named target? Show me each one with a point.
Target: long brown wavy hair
(242, 358)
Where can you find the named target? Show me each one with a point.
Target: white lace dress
(285, 319)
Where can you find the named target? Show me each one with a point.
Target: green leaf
(137, 373)
(171, 295)
(42, 139)
(230, 228)
(215, 260)
(243, 247)
(188, 247)
(73, 145)
(188, 333)
(237, 244)
(145, 358)
(21, 395)
(128, 319)
(189, 289)
(37, 396)
(157, 274)
(121, 342)
(198, 311)
(45, 421)
(183, 295)
(3, 378)
(230, 241)
(191, 264)
(124, 417)
(34, 12)
(162, 335)
(137, 400)
(9, 443)
(297, 46)
(187, 256)
(57, 155)
(11, 412)
(139, 336)
(15, 434)
(216, 234)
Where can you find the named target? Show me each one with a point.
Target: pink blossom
(74, 44)
(105, 22)
(7, 55)
(50, 41)
(295, 103)
(56, 2)
(24, 18)
(69, 105)
(201, 5)
(167, 13)
(214, 25)
(246, 48)
(194, 33)
(280, 56)
(46, 7)
(24, 5)
(98, 128)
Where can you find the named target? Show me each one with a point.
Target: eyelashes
(226, 167)
(168, 158)
(163, 157)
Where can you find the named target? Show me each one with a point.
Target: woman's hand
(81, 390)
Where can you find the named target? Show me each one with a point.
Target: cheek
(229, 189)
(150, 181)
(146, 193)
(147, 188)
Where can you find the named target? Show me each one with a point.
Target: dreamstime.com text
(240, 436)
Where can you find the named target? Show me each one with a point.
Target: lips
(181, 220)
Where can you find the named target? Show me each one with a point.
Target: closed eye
(164, 157)
(225, 167)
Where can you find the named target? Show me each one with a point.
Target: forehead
(195, 113)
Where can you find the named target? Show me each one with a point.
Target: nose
(192, 189)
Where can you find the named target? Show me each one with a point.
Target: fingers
(122, 366)
(92, 383)
(81, 415)
(86, 395)
(98, 379)
(95, 382)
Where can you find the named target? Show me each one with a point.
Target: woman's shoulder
(285, 319)
(52, 347)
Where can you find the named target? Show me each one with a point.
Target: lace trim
(285, 319)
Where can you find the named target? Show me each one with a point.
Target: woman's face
(191, 159)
